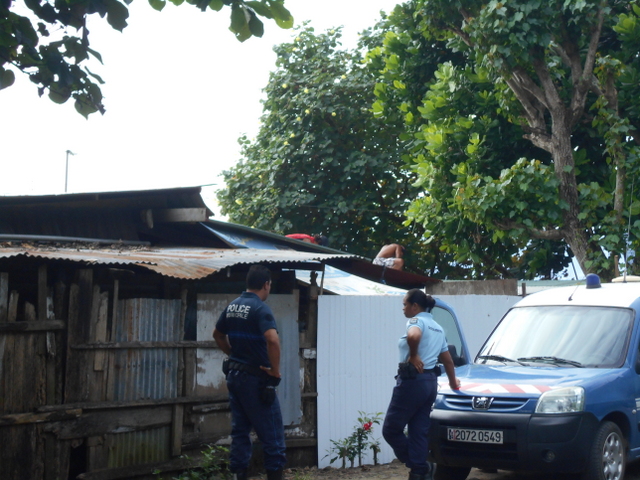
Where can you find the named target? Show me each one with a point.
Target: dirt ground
(397, 471)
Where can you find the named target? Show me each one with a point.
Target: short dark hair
(257, 276)
(321, 240)
(426, 302)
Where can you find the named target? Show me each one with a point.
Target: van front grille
(498, 404)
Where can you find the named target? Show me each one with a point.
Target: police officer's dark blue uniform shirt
(244, 321)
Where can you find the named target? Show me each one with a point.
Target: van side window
(447, 322)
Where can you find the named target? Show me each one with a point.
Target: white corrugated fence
(357, 357)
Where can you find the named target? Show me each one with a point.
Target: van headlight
(562, 400)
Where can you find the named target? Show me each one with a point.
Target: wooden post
(180, 381)
(29, 312)
(100, 335)
(60, 292)
(13, 306)
(42, 292)
(176, 429)
(80, 300)
(51, 361)
(4, 297)
(114, 309)
(111, 364)
(190, 362)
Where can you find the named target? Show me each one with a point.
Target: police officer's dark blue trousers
(247, 412)
(410, 406)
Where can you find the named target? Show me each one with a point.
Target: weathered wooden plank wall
(107, 387)
(27, 379)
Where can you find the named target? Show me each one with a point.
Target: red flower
(367, 426)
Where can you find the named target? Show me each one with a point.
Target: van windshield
(564, 336)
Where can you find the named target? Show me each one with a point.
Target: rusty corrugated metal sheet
(184, 263)
(147, 373)
(139, 447)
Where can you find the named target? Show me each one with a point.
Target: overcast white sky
(180, 90)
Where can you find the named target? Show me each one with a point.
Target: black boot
(240, 475)
(274, 474)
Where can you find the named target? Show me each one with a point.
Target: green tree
(433, 89)
(321, 163)
(530, 134)
(49, 41)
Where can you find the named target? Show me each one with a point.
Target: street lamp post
(66, 170)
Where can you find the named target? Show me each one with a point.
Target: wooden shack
(107, 304)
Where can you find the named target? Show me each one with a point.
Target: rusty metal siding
(141, 447)
(285, 310)
(147, 373)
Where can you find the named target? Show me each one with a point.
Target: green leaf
(93, 75)
(216, 5)
(58, 95)
(7, 77)
(95, 53)
(255, 25)
(282, 16)
(117, 14)
(260, 8)
(239, 19)
(157, 4)
(84, 107)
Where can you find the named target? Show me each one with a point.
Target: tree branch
(553, 101)
(541, 234)
(583, 84)
(533, 113)
(524, 80)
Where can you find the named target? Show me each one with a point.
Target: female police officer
(423, 344)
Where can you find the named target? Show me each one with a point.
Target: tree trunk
(573, 229)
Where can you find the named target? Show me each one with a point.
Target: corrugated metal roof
(339, 282)
(184, 263)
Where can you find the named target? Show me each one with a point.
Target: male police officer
(423, 344)
(246, 331)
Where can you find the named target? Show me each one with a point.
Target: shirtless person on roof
(390, 256)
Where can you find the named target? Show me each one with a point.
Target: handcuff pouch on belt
(268, 390)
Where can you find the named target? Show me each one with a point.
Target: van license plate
(474, 436)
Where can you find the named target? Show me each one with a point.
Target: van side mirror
(638, 364)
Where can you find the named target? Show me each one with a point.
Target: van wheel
(608, 457)
(445, 472)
